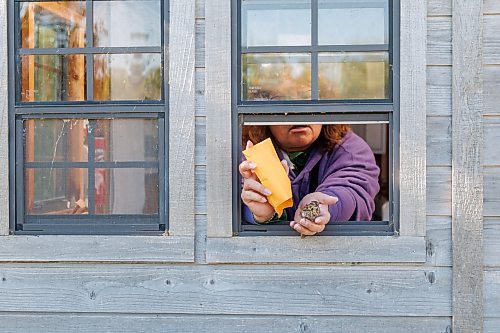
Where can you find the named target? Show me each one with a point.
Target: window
(329, 62)
(227, 111)
(90, 116)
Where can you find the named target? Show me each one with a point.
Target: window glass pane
(126, 140)
(275, 23)
(52, 24)
(127, 76)
(359, 170)
(56, 191)
(353, 75)
(127, 23)
(343, 22)
(275, 76)
(52, 78)
(126, 191)
(55, 140)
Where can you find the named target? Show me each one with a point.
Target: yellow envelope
(271, 174)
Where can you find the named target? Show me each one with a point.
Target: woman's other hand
(307, 227)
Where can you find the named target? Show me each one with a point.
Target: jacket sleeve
(351, 175)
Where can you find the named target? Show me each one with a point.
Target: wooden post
(4, 124)
(467, 178)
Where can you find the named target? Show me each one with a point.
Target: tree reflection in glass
(353, 75)
(274, 76)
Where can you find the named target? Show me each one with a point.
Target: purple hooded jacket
(347, 172)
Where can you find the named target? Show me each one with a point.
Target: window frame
(362, 111)
(408, 245)
(174, 245)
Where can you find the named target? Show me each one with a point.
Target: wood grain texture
(315, 249)
(200, 92)
(439, 91)
(200, 150)
(439, 41)
(96, 248)
(491, 325)
(181, 117)
(200, 177)
(491, 6)
(225, 290)
(200, 239)
(200, 43)
(491, 86)
(438, 241)
(4, 124)
(492, 293)
(200, 9)
(492, 140)
(467, 159)
(438, 141)
(412, 117)
(491, 39)
(492, 242)
(492, 191)
(218, 109)
(15, 323)
(439, 7)
(439, 191)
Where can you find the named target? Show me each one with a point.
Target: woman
(329, 164)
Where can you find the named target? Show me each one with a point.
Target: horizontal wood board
(275, 290)
(492, 191)
(27, 323)
(325, 249)
(492, 140)
(492, 242)
(96, 248)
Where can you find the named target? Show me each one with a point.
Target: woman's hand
(254, 193)
(307, 227)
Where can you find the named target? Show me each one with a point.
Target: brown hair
(330, 135)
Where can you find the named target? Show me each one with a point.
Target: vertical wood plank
(467, 177)
(413, 117)
(218, 110)
(181, 117)
(4, 123)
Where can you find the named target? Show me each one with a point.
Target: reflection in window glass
(52, 24)
(126, 191)
(276, 23)
(353, 22)
(274, 76)
(127, 77)
(126, 140)
(56, 191)
(127, 23)
(55, 140)
(52, 78)
(353, 75)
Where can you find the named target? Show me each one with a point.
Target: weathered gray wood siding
(491, 118)
(118, 297)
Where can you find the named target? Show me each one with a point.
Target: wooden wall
(491, 118)
(383, 298)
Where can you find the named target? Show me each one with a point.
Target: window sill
(325, 249)
(59, 248)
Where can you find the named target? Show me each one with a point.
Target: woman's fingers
(246, 169)
(249, 196)
(254, 185)
(285, 165)
(303, 230)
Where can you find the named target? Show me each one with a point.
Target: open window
(327, 62)
(399, 109)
